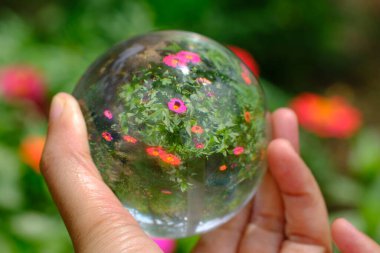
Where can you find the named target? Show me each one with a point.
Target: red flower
(22, 82)
(238, 150)
(31, 151)
(170, 158)
(223, 167)
(326, 117)
(245, 75)
(247, 58)
(154, 151)
(107, 136)
(167, 192)
(247, 117)
(129, 139)
(197, 129)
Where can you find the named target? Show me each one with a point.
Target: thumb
(94, 217)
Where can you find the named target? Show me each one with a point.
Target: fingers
(285, 126)
(264, 233)
(96, 220)
(350, 240)
(305, 211)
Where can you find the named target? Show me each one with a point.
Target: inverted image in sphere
(177, 128)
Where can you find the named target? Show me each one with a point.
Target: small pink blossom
(199, 145)
(177, 105)
(174, 61)
(210, 94)
(238, 150)
(108, 114)
(187, 56)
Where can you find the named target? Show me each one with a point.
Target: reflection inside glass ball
(176, 127)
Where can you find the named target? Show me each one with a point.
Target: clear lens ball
(177, 129)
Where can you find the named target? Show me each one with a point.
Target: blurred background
(320, 57)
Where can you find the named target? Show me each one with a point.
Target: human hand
(288, 213)
(94, 217)
(350, 240)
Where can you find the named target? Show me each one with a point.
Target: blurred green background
(330, 48)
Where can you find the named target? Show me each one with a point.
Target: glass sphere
(177, 129)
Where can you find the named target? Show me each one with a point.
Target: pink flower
(238, 150)
(107, 136)
(22, 82)
(210, 94)
(174, 61)
(197, 129)
(108, 114)
(199, 145)
(177, 105)
(187, 56)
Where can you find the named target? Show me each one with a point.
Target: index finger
(305, 211)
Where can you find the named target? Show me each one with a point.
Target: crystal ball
(177, 128)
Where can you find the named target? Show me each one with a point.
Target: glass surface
(177, 129)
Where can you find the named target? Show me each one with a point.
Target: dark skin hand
(288, 213)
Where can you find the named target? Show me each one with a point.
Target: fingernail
(56, 107)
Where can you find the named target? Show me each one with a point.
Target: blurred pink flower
(22, 82)
(199, 145)
(167, 245)
(326, 116)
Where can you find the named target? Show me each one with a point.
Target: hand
(288, 213)
(350, 240)
(94, 217)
